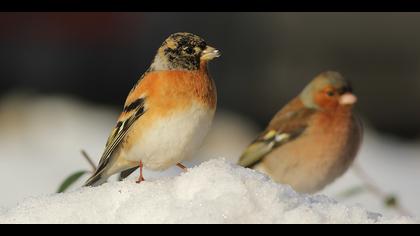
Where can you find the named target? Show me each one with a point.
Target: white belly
(173, 139)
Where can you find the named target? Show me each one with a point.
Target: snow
(40, 154)
(36, 155)
(213, 192)
(40, 142)
(393, 165)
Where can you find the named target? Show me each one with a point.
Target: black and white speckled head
(183, 51)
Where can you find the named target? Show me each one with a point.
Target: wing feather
(287, 125)
(118, 134)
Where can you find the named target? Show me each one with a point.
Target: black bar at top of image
(212, 5)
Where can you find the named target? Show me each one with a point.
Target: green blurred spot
(71, 180)
(391, 201)
(353, 191)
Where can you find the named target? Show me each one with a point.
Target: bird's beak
(348, 99)
(209, 53)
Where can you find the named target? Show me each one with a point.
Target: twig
(89, 160)
(375, 190)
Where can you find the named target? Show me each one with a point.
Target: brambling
(312, 140)
(167, 114)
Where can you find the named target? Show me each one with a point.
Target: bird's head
(183, 51)
(329, 90)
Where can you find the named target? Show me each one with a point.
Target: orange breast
(166, 90)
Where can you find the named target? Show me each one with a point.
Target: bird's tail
(96, 180)
(126, 173)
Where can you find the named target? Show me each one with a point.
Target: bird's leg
(184, 168)
(141, 179)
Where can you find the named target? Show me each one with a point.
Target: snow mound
(214, 192)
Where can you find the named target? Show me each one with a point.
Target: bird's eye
(189, 50)
(330, 93)
(202, 45)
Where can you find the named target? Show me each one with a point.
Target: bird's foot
(141, 178)
(183, 168)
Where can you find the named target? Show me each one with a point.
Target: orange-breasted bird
(312, 140)
(167, 114)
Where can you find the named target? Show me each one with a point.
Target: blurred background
(65, 76)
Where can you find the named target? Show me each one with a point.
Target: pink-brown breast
(322, 153)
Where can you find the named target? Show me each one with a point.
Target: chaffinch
(312, 140)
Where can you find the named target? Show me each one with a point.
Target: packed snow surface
(213, 192)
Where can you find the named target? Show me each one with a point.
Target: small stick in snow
(89, 160)
(375, 190)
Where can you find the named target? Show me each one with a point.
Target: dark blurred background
(267, 58)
